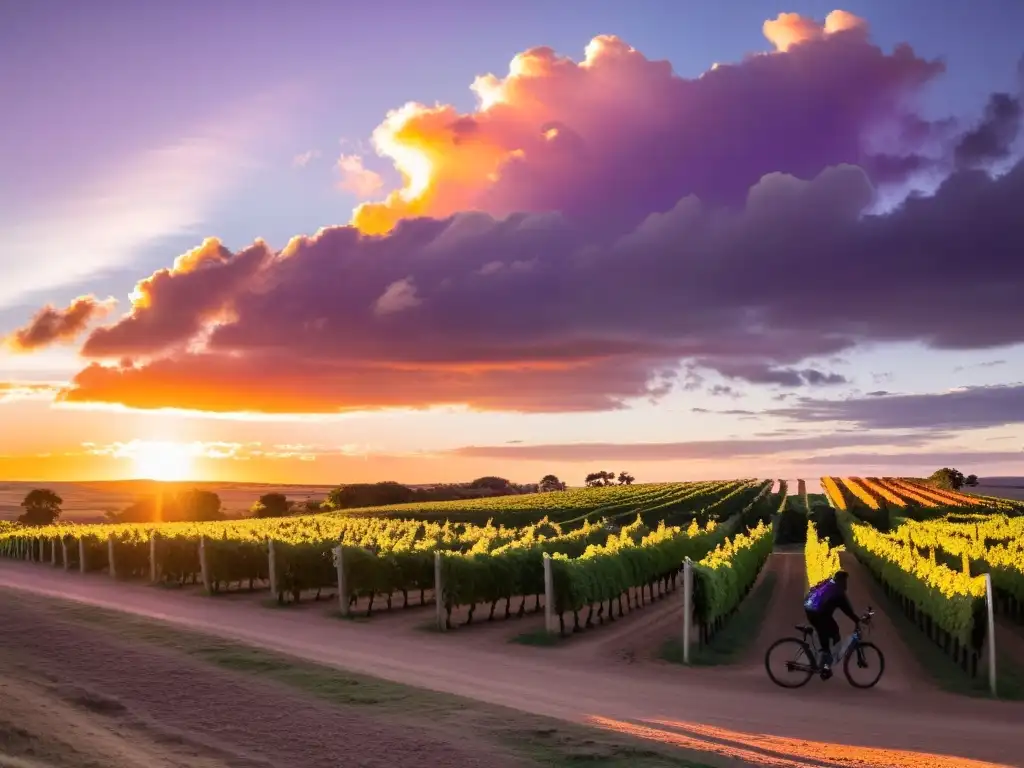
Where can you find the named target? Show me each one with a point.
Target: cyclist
(820, 603)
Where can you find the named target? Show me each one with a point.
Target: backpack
(819, 594)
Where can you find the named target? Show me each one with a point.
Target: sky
(314, 243)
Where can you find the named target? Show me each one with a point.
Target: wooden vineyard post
(687, 608)
(81, 555)
(549, 597)
(991, 634)
(442, 623)
(64, 548)
(204, 566)
(152, 557)
(272, 567)
(111, 565)
(339, 564)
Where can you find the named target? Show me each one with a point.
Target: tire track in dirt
(548, 682)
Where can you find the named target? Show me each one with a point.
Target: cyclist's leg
(815, 620)
(829, 632)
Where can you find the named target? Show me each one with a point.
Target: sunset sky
(323, 242)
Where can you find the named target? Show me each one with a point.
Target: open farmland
(599, 571)
(89, 502)
(999, 487)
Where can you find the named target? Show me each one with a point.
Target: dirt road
(74, 696)
(662, 699)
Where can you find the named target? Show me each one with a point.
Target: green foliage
(193, 505)
(820, 559)
(604, 572)
(760, 509)
(575, 505)
(825, 524)
(491, 483)
(598, 479)
(791, 527)
(369, 495)
(42, 507)
(948, 478)
(954, 600)
(272, 505)
(550, 483)
(723, 578)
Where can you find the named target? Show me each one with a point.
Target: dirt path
(902, 671)
(1010, 641)
(76, 695)
(553, 682)
(784, 612)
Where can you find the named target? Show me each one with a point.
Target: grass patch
(733, 640)
(539, 637)
(943, 671)
(532, 739)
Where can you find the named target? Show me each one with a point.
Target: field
(578, 591)
(1001, 487)
(88, 502)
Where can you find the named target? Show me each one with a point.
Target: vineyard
(930, 549)
(584, 557)
(611, 548)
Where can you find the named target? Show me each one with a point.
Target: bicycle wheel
(865, 661)
(790, 662)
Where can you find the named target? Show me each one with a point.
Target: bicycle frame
(852, 641)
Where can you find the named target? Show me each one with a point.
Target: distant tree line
(43, 507)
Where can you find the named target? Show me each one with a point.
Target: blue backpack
(819, 594)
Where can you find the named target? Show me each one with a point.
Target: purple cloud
(967, 408)
(692, 450)
(644, 227)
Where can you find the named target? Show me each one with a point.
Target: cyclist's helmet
(841, 578)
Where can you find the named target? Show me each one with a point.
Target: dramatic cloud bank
(966, 408)
(52, 325)
(600, 232)
(617, 136)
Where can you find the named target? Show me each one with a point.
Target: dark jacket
(826, 596)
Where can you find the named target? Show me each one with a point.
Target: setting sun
(162, 461)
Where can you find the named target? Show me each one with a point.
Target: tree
(492, 483)
(948, 478)
(369, 495)
(42, 507)
(196, 505)
(272, 505)
(550, 483)
(625, 478)
(971, 480)
(597, 479)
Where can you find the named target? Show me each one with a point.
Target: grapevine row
(947, 604)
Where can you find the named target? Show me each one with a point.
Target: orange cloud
(553, 112)
(51, 325)
(790, 29)
(174, 306)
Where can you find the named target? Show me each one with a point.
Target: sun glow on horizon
(162, 461)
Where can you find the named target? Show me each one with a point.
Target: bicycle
(806, 656)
